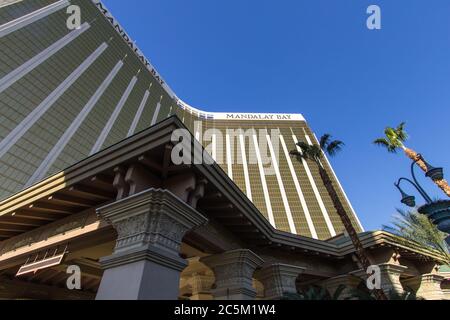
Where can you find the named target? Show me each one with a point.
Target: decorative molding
(154, 217)
(233, 271)
(427, 286)
(390, 277)
(279, 279)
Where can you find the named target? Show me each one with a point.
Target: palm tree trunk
(359, 249)
(442, 184)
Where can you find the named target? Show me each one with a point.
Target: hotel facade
(88, 182)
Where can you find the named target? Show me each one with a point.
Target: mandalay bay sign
(258, 116)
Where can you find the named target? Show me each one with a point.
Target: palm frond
(305, 151)
(295, 153)
(401, 133)
(325, 140)
(416, 227)
(382, 142)
(314, 153)
(334, 147)
(303, 146)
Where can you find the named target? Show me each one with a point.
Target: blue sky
(314, 57)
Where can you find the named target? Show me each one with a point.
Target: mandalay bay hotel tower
(85, 125)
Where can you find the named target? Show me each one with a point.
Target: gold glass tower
(66, 94)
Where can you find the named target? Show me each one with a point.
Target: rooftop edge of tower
(202, 114)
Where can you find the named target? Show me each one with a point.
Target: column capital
(233, 271)
(432, 277)
(146, 262)
(385, 268)
(279, 279)
(427, 286)
(280, 268)
(153, 217)
(390, 277)
(239, 256)
(201, 286)
(394, 269)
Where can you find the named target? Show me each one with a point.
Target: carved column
(427, 286)
(201, 286)
(279, 280)
(146, 264)
(233, 271)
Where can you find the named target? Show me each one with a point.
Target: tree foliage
(315, 153)
(394, 138)
(416, 227)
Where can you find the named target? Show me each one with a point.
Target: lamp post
(437, 211)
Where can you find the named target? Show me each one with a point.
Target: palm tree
(416, 227)
(316, 153)
(395, 139)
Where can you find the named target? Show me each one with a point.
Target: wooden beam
(38, 216)
(71, 200)
(91, 193)
(151, 164)
(51, 208)
(16, 221)
(103, 182)
(8, 234)
(13, 228)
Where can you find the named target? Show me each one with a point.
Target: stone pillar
(146, 264)
(427, 286)
(233, 271)
(279, 280)
(390, 278)
(201, 286)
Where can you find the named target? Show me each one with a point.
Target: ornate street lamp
(433, 173)
(437, 211)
